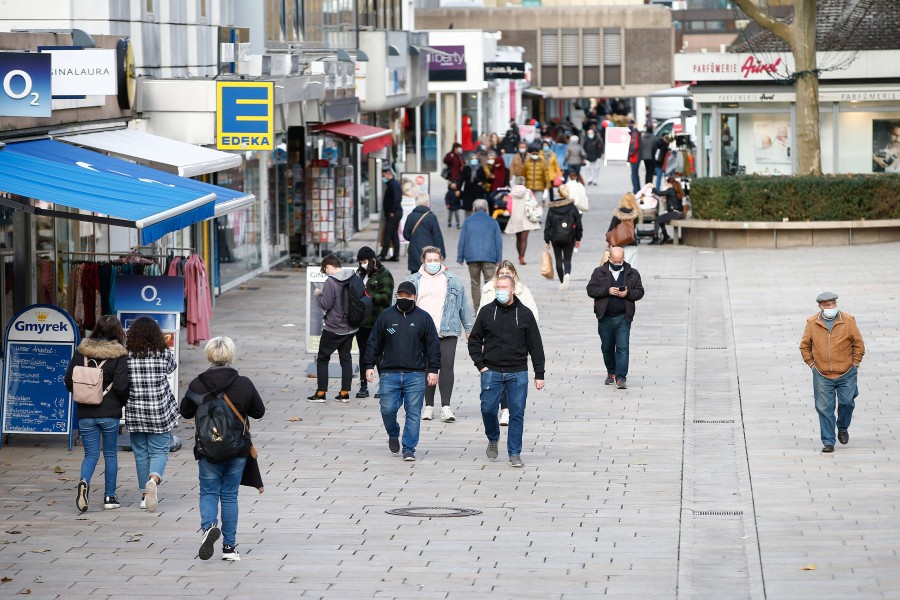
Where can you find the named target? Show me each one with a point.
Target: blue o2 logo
(25, 84)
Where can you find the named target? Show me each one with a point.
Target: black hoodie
(503, 336)
(404, 342)
(240, 390)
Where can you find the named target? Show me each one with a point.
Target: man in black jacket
(393, 212)
(403, 345)
(615, 287)
(504, 334)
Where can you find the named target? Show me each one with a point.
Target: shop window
(590, 56)
(571, 57)
(549, 57)
(612, 57)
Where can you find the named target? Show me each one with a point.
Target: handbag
(533, 210)
(557, 181)
(622, 234)
(547, 265)
(445, 172)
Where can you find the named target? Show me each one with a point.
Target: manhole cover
(433, 511)
(718, 513)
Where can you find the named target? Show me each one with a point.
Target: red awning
(371, 138)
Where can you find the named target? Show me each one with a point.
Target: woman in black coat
(105, 347)
(563, 231)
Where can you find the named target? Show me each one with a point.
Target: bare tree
(800, 36)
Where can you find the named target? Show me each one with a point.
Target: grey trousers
(477, 270)
(446, 378)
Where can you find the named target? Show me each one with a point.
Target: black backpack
(219, 429)
(359, 306)
(563, 230)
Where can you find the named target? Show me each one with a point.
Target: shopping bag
(547, 265)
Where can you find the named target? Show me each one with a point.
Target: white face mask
(364, 264)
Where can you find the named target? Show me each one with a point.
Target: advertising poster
(885, 146)
(772, 141)
(617, 141)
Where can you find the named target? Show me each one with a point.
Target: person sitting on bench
(674, 195)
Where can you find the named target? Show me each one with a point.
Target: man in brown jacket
(833, 348)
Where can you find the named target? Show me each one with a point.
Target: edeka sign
(245, 115)
(24, 84)
(76, 72)
(447, 67)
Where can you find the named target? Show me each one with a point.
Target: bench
(784, 234)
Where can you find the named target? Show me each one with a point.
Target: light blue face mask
(384, 179)
(502, 296)
(433, 267)
(829, 313)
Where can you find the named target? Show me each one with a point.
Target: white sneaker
(565, 283)
(504, 416)
(150, 497)
(427, 413)
(230, 553)
(447, 414)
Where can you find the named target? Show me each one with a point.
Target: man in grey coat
(337, 334)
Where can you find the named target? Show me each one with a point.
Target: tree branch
(773, 26)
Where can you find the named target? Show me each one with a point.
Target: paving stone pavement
(614, 497)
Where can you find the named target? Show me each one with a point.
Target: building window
(590, 56)
(549, 57)
(571, 57)
(612, 57)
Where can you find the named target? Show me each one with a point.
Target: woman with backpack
(380, 286)
(105, 349)
(563, 231)
(152, 412)
(219, 481)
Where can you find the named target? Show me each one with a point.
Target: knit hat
(365, 253)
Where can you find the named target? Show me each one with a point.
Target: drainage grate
(718, 513)
(429, 512)
(713, 420)
(273, 276)
(248, 287)
(711, 348)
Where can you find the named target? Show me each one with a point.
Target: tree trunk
(803, 47)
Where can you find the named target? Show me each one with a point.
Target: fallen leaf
(133, 534)
(133, 540)
(809, 567)
(25, 592)
(13, 532)
(7, 542)
(293, 419)
(59, 470)
(41, 550)
(67, 479)
(6, 579)
(51, 503)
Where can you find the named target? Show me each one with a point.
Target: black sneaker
(394, 445)
(343, 397)
(110, 502)
(81, 500)
(620, 384)
(207, 546)
(377, 395)
(827, 449)
(409, 456)
(610, 379)
(843, 436)
(362, 393)
(318, 398)
(229, 552)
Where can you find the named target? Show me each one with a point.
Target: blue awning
(133, 195)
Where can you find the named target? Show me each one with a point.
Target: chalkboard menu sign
(38, 346)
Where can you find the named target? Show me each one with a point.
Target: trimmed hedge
(797, 198)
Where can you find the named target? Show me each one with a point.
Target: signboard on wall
(447, 67)
(504, 70)
(25, 79)
(77, 72)
(245, 115)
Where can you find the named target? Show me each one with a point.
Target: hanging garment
(198, 298)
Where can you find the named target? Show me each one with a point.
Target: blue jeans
(219, 482)
(659, 176)
(614, 334)
(635, 176)
(493, 385)
(406, 389)
(826, 390)
(150, 453)
(91, 430)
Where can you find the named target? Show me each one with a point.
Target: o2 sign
(139, 293)
(25, 84)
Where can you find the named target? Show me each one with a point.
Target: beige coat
(517, 220)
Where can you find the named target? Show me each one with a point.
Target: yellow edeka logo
(41, 317)
(245, 115)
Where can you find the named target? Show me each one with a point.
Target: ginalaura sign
(732, 67)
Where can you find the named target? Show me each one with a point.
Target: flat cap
(826, 297)
(407, 286)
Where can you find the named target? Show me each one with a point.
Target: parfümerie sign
(78, 72)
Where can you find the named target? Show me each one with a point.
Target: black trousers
(650, 168)
(328, 343)
(660, 222)
(563, 253)
(391, 236)
(362, 342)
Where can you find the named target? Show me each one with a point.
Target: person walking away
(660, 152)
(453, 202)
(393, 211)
(98, 425)
(472, 185)
(560, 148)
(674, 210)
(337, 333)
(518, 162)
(563, 231)
(575, 156)
(832, 347)
(404, 347)
(628, 210)
(509, 145)
(593, 153)
(525, 297)
(380, 286)
(615, 287)
(648, 153)
(455, 163)
(518, 223)
(220, 480)
(634, 146)
(504, 335)
(422, 230)
(151, 412)
(443, 296)
(480, 247)
(577, 192)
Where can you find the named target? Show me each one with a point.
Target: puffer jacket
(457, 313)
(115, 371)
(537, 175)
(832, 353)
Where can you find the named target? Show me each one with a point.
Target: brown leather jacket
(832, 353)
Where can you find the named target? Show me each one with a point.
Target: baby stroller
(498, 203)
(649, 204)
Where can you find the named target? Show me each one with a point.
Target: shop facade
(746, 115)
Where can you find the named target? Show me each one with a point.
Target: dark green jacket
(380, 287)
